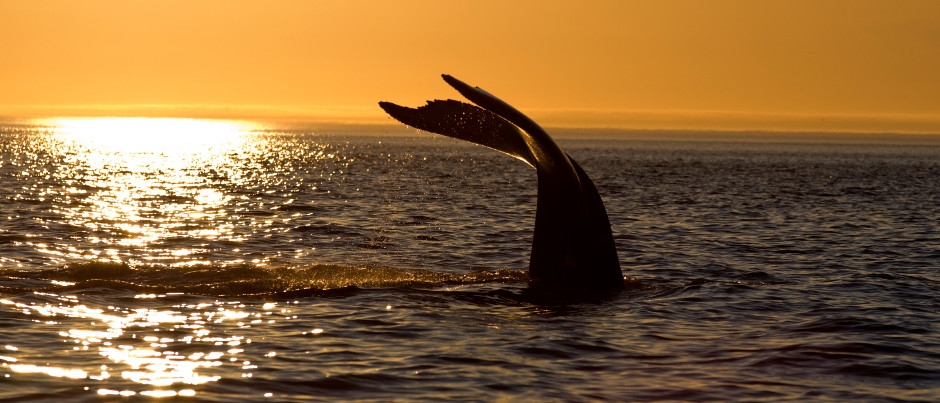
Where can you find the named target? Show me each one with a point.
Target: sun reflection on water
(144, 180)
(152, 136)
(169, 350)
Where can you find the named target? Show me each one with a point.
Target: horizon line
(627, 119)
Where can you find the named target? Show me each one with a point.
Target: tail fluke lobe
(546, 155)
(465, 122)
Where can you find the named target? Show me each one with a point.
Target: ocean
(209, 261)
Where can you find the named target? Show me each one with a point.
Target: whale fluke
(572, 248)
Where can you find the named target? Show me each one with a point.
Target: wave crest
(218, 280)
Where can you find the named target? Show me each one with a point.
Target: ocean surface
(161, 259)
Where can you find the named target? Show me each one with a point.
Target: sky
(831, 65)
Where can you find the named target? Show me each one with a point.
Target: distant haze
(867, 66)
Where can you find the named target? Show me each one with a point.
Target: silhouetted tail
(572, 247)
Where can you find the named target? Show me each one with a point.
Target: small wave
(827, 324)
(11, 238)
(300, 208)
(327, 229)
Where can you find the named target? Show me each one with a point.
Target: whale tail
(572, 247)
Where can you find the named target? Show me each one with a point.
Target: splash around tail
(243, 279)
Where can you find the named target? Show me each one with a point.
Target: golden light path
(144, 179)
(131, 339)
(130, 184)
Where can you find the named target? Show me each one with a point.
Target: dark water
(199, 260)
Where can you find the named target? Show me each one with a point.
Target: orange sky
(803, 65)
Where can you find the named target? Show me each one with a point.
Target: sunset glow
(833, 65)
